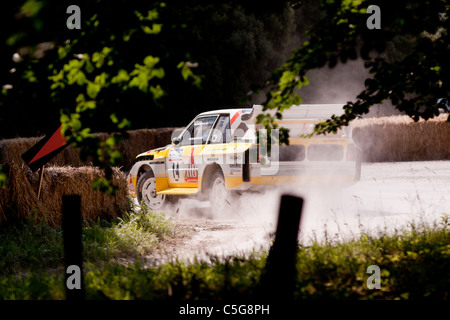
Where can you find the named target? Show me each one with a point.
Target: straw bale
(395, 138)
(19, 199)
(142, 140)
(11, 151)
(138, 141)
(399, 138)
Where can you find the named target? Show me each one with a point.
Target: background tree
(129, 66)
(407, 58)
(232, 45)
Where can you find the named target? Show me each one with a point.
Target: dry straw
(11, 151)
(68, 174)
(142, 140)
(399, 138)
(395, 138)
(138, 141)
(19, 201)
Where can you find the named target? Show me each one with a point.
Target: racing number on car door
(175, 160)
(176, 171)
(183, 169)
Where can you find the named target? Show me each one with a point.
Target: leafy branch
(413, 78)
(93, 77)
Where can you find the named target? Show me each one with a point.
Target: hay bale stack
(399, 138)
(142, 140)
(138, 141)
(164, 136)
(11, 151)
(18, 201)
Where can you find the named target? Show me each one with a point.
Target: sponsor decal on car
(191, 174)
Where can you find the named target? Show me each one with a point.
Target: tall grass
(36, 246)
(414, 264)
(412, 260)
(134, 235)
(30, 247)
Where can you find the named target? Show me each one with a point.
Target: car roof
(222, 111)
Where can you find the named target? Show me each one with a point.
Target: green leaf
(113, 118)
(93, 89)
(62, 52)
(122, 76)
(80, 98)
(152, 15)
(155, 29)
(89, 67)
(125, 123)
(286, 79)
(158, 73)
(64, 118)
(157, 91)
(151, 61)
(101, 79)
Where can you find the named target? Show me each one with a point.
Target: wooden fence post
(41, 177)
(280, 274)
(73, 249)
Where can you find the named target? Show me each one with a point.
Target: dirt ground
(389, 195)
(200, 236)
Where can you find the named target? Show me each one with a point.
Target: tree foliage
(137, 64)
(407, 58)
(232, 45)
(131, 65)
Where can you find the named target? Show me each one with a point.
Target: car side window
(222, 131)
(197, 133)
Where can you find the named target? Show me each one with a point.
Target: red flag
(43, 151)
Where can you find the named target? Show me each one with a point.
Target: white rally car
(226, 151)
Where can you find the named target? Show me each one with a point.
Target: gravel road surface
(388, 198)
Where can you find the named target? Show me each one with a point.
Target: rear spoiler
(297, 112)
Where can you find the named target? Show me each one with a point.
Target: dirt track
(389, 196)
(202, 237)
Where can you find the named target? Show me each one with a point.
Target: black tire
(218, 195)
(146, 193)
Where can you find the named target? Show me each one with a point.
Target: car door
(219, 141)
(183, 159)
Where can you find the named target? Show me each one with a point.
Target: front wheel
(146, 193)
(219, 196)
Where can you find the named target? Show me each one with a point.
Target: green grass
(29, 247)
(414, 264)
(33, 247)
(135, 234)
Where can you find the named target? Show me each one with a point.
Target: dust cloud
(340, 84)
(251, 222)
(389, 198)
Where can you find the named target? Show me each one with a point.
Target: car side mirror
(176, 141)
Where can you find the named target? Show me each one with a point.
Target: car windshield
(198, 131)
